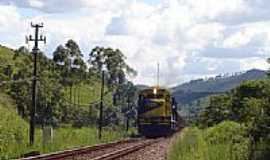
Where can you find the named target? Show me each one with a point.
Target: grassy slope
(14, 130)
(87, 94)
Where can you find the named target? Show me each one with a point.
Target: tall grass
(225, 141)
(63, 138)
(14, 140)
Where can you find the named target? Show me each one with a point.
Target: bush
(226, 141)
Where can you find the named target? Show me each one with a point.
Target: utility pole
(128, 113)
(35, 51)
(158, 74)
(69, 72)
(101, 105)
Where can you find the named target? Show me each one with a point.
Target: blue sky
(189, 38)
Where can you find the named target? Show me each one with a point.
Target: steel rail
(78, 151)
(125, 151)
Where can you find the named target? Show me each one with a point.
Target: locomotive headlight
(155, 91)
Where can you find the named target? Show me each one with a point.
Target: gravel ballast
(157, 151)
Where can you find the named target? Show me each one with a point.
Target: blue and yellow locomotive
(157, 112)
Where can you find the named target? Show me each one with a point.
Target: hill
(195, 89)
(141, 86)
(71, 108)
(15, 63)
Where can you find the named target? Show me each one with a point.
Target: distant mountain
(195, 89)
(141, 86)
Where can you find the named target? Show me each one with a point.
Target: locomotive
(157, 113)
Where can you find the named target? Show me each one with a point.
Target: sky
(189, 38)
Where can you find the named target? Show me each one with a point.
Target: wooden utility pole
(158, 74)
(35, 51)
(101, 105)
(128, 113)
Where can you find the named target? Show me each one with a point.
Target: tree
(49, 92)
(113, 62)
(217, 111)
(75, 54)
(96, 59)
(69, 56)
(257, 117)
(60, 56)
(73, 48)
(20, 90)
(247, 104)
(71, 64)
(247, 90)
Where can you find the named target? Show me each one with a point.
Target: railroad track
(107, 151)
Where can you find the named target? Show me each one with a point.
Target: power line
(16, 81)
(95, 102)
(89, 104)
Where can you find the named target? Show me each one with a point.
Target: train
(157, 113)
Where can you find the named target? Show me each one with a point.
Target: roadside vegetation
(68, 98)
(226, 141)
(232, 126)
(63, 138)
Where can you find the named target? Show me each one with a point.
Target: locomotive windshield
(147, 104)
(153, 103)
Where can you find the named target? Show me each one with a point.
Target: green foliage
(85, 102)
(63, 138)
(69, 55)
(66, 90)
(114, 63)
(226, 131)
(217, 110)
(212, 144)
(246, 92)
(68, 95)
(13, 129)
(261, 150)
(192, 112)
(247, 104)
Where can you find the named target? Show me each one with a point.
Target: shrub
(225, 141)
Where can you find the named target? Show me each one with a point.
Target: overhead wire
(95, 102)
(16, 81)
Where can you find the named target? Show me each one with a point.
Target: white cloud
(212, 9)
(11, 27)
(255, 34)
(58, 6)
(255, 62)
(202, 35)
(36, 4)
(190, 38)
